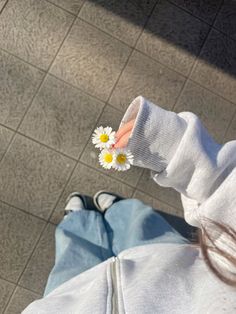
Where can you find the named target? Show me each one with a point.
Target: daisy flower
(106, 158)
(103, 137)
(123, 158)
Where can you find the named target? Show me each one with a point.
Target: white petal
(108, 130)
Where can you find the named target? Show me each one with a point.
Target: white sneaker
(103, 200)
(74, 202)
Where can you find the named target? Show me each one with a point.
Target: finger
(122, 142)
(124, 129)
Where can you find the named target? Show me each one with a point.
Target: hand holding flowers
(112, 145)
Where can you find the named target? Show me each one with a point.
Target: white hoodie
(164, 278)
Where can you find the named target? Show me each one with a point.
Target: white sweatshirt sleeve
(181, 154)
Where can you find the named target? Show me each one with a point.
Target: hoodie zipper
(114, 287)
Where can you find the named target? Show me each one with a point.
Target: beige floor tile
(33, 30)
(168, 195)
(62, 117)
(18, 84)
(214, 112)
(173, 37)
(231, 133)
(205, 10)
(32, 176)
(110, 117)
(156, 204)
(6, 289)
(19, 233)
(41, 263)
(87, 181)
(143, 76)
(5, 138)
(90, 59)
(72, 6)
(122, 19)
(216, 67)
(20, 300)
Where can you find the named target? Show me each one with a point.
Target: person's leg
(130, 223)
(81, 243)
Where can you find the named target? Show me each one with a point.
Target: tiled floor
(67, 66)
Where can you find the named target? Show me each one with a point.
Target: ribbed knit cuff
(156, 134)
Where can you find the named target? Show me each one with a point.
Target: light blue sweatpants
(86, 238)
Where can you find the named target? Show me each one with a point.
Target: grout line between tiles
(93, 168)
(118, 109)
(26, 264)
(132, 50)
(15, 132)
(9, 300)
(229, 125)
(83, 4)
(164, 202)
(148, 17)
(19, 58)
(194, 63)
(36, 92)
(31, 290)
(13, 294)
(24, 211)
(81, 90)
(139, 179)
(135, 49)
(47, 146)
(32, 253)
(213, 92)
(50, 65)
(139, 190)
(145, 24)
(77, 162)
(197, 17)
(18, 285)
(204, 21)
(59, 7)
(106, 174)
(79, 158)
(3, 7)
(141, 174)
(118, 78)
(218, 29)
(2, 278)
(132, 195)
(190, 72)
(104, 32)
(163, 64)
(122, 111)
(111, 92)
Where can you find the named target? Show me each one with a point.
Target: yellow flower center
(121, 158)
(108, 157)
(104, 138)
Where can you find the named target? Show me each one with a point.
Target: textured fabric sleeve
(181, 154)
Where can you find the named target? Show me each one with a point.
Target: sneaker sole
(82, 197)
(95, 197)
